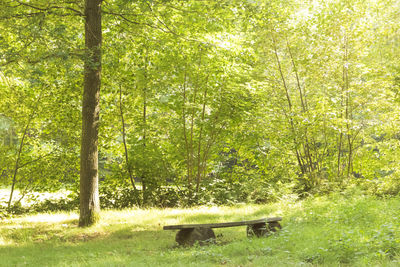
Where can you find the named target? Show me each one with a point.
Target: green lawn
(339, 230)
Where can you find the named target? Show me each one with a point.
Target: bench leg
(274, 226)
(189, 236)
(261, 229)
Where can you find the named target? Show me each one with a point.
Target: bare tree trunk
(128, 166)
(14, 181)
(200, 163)
(17, 161)
(344, 102)
(348, 111)
(304, 110)
(191, 158)
(144, 176)
(340, 143)
(292, 127)
(89, 189)
(185, 135)
(191, 143)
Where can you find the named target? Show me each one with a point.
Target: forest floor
(343, 229)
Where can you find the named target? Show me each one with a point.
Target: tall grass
(339, 230)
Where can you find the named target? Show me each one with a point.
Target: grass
(339, 230)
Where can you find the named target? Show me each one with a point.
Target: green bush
(116, 197)
(62, 204)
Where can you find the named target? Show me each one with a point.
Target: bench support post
(189, 236)
(261, 229)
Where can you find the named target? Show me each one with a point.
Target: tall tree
(89, 195)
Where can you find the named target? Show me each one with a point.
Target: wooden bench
(189, 234)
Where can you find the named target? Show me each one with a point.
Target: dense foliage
(204, 101)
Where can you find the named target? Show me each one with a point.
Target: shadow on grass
(84, 248)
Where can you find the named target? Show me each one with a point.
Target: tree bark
(89, 190)
(128, 166)
(18, 159)
(144, 174)
(200, 163)
(14, 181)
(289, 116)
(306, 144)
(344, 103)
(185, 135)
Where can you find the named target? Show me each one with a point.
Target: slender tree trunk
(14, 181)
(191, 143)
(304, 110)
(192, 126)
(349, 111)
(340, 143)
(89, 189)
(344, 102)
(201, 163)
(292, 127)
(144, 176)
(185, 135)
(128, 166)
(17, 161)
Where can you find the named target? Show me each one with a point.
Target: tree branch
(35, 160)
(50, 7)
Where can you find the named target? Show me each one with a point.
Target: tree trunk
(289, 116)
(144, 174)
(128, 166)
(201, 163)
(18, 159)
(185, 135)
(306, 144)
(14, 181)
(89, 189)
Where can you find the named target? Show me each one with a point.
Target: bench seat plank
(222, 225)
